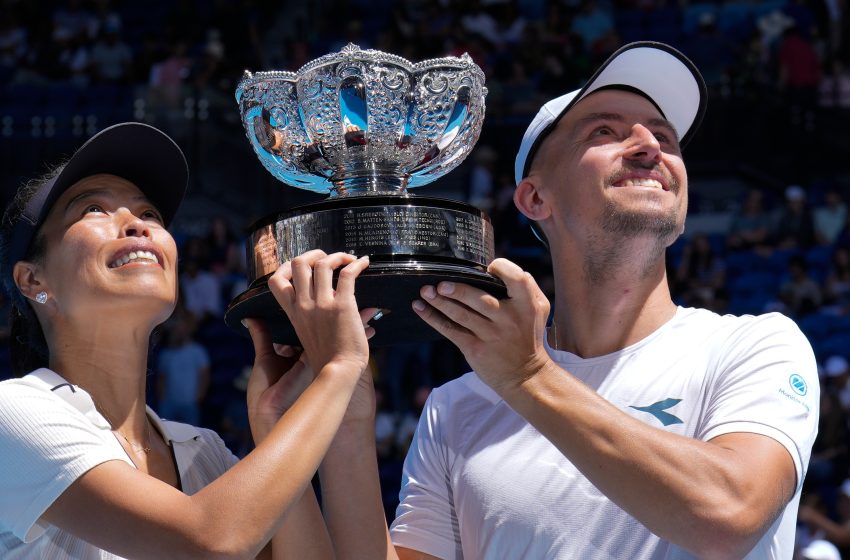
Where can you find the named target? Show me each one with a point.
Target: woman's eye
(151, 215)
(662, 138)
(94, 208)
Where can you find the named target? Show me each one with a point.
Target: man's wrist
(524, 381)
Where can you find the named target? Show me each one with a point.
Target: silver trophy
(366, 126)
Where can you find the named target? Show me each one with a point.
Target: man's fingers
(520, 284)
(285, 350)
(457, 312)
(260, 335)
(347, 276)
(367, 314)
(475, 299)
(456, 334)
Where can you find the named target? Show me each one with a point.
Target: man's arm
(351, 494)
(713, 498)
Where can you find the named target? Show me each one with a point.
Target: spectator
(167, 77)
(201, 291)
(184, 373)
(111, 58)
(799, 75)
(837, 372)
(834, 90)
(837, 284)
(835, 531)
(593, 24)
(800, 294)
(751, 225)
(829, 453)
(235, 428)
(222, 249)
(830, 218)
(820, 549)
(795, 225)
(72, 58)
(482, 178)
(701, 273)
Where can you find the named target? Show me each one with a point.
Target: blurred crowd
(776, 69)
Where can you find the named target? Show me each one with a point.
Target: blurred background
(769, 179)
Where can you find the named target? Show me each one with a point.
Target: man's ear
(529, 200)
(28, 279)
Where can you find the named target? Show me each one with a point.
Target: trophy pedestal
(412, 241)
(383, 285)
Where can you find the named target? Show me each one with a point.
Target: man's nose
(643, 145)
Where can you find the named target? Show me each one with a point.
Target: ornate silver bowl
(363, 120)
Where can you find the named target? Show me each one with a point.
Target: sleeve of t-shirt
(425, 519)
(767, 383)
(224, 456)
(45, 445)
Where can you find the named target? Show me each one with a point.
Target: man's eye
(94, 208)
(603, 131)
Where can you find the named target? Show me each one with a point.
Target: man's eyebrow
(595, 117)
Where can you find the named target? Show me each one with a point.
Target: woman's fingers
(323, 270)
(347, 276)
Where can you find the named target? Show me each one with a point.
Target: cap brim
(666, 76)
(137, 152)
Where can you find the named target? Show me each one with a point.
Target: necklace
(146, 448)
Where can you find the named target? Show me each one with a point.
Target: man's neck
(598, 313)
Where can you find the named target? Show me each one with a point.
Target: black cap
(137, 152)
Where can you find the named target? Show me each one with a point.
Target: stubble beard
(615, 249)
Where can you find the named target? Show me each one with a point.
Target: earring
(41, 297)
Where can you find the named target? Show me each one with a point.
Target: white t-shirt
(480, 482)
(51, 434)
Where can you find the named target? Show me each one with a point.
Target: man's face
(614, 163)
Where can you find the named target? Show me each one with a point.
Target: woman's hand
(326, 320)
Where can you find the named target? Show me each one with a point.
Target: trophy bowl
(364, 127)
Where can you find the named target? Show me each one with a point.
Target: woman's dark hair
(26, 341)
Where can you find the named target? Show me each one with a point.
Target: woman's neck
(110, 363)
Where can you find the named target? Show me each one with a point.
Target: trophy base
(391, 287)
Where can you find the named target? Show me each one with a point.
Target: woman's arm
(123, 510)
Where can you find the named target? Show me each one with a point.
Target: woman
(86, 469)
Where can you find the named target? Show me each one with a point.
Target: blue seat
(815, 326)
(835, 344)
(754, 282)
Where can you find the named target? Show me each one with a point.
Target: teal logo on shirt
(798, 384)
(658, 410)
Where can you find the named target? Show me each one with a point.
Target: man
(631, 429)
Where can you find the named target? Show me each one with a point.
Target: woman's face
(108, 252)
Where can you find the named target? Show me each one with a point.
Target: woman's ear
(529, 200)
(27, 277)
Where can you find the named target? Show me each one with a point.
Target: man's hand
(277, 379)
(501, 339)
